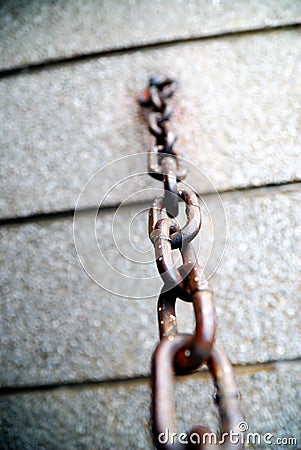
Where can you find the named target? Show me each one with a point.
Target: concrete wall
(75, 355)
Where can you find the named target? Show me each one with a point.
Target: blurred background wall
(75, 355)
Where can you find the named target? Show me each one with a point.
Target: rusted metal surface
(163, 404)
(182, 353)
(163, 162)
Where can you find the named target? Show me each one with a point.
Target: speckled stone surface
(257, 286)
(58, 326)
(56, 323)
(117, 416)
(79, 28)
(237, 118)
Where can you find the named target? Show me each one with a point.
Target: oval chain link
(181, 353)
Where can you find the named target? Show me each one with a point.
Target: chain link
(163, 161)
(182, 353)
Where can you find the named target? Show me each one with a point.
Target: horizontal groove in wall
(56, 215)
(44, 65)
(94, 384)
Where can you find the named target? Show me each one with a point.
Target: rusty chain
(182, 353)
